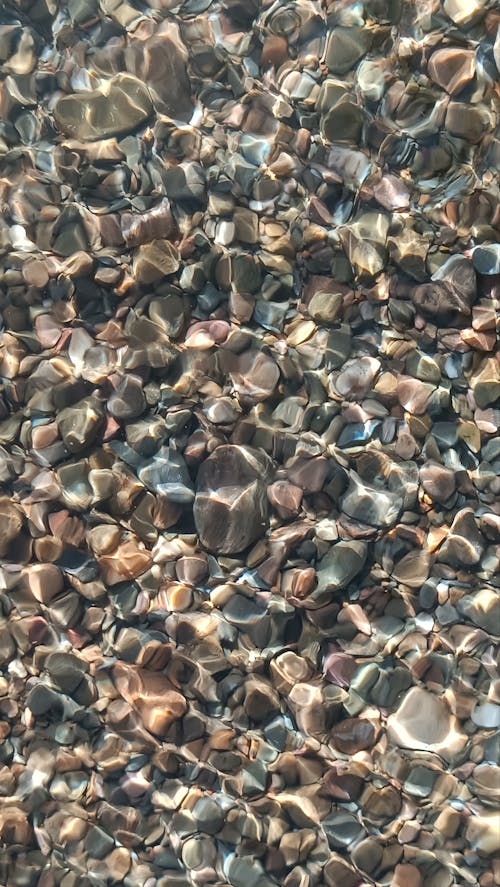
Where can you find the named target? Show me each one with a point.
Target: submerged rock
(120, 105)
(340, 565)
(424, 722)
(371, 505)
(231, 506)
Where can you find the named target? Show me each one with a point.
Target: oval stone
(231, 506)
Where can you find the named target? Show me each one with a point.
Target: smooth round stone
(118, 864)
(243, 871)
(147, 435)
(208, 815)
(270, 315)
(406, 875)
(452, 68)
(153, 224)
(120, 105)
(486, 715)
(98, 843)
(245, 273)
(368, 505)
(338, 348)
(438, 481)
(325, 307)
(76, 562)
(82, 11)
(277, 732)
(338, 873)
(345, 47)
(342, 829)
(198, 851)
(160, 63)
(127, 400)
(151, 695)
(413, 569)
(66, 670)
(467, 122)
(424, 722)
(357, 377)
(353, 735)
(482, 832)
(246, 225)
(439, 301)
(343, 123)
(35, 273)
(371, 79)
(260, 700)
(168, 475)
(465, 544)
(231, 507)
(420, 782)
(423, 367)
(45, 581)
(340, 565)
(486, 259)
(42, 699)
(367, 855)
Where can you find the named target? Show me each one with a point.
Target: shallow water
(249, 458)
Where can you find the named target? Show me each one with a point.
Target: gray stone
(167, 474)
(80, 424)
(370, 505)
(231, 506)
(340, 565)
(119, 106)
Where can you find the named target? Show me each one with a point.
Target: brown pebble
(353, 735)
(406, 875)
(35, 273)
(44, 581)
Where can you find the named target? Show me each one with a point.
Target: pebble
(155, 260)
(11, 523)
(432, 730)
(119, 105)
(452, 68)
(230, 507)
(340, 565)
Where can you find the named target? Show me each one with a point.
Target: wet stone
(468, 123)
(433, 730)
(119, 106)
(249, 457)
(342, 829)
(156, 260)
(441, 301)
(127, 400)
(370, 505)
(353, 735)
(166, 473)
(230, 507)
(340, 565)
(452, 68)
(345, 47)
(11, 520)
(80, 425)
(486, 259)
(160, 62)
(438, 481)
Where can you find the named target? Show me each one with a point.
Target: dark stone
(231, 506)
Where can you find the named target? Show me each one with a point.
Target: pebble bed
(249, 450)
